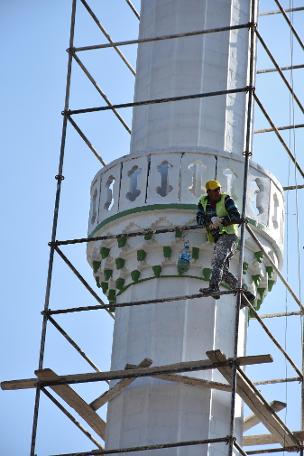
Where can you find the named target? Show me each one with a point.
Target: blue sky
(33, 75)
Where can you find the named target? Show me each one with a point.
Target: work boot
(211, 291)
(250, 296)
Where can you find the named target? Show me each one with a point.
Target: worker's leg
(228, 277)
(223, 250)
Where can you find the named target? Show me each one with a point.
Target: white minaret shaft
(192, 65)
(175, 148)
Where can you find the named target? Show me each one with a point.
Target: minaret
(175, 148)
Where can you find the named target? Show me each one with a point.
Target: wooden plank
(197, 382)
(253, 420)
(116, 390)
(266, 439)
(255, 401)
(76, 402)
(186, 366)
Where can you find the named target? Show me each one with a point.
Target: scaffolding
(237, 381)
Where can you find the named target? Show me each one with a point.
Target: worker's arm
(233, 217)
(200, 215)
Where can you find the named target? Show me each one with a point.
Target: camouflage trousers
(224, 250)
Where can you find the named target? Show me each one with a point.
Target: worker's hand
(200, 218)
(216, 222)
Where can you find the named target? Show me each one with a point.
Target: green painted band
(152, 207)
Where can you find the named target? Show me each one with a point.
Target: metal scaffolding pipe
(287, 10)
(136, 13)
(292, 157)
(290, 24)
(267, 50)
(295, 297)
(162, 37)
(160, 446)
(70, 112)
(105, 33)
(284, 127)
(100, 91)
(284, 68)
(54, 228)
(71, 418)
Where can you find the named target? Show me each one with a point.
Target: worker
(218, 213)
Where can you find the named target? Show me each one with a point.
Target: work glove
(215, 223)
(200, 218)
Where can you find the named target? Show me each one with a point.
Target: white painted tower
(175, 148)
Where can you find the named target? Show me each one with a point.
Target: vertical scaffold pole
(247, 153)
(59, 177)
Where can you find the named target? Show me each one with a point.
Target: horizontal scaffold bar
(172, 36)
(287, 10)
(152, 101)
(284, 127)
(129, 234)
(111, 306)
(185, 366)
(159, 446)
(284, 68)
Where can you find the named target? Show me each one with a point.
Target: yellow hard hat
(212, 185)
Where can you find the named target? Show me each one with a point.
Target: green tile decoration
(135, 275)
(178, 233)
(157, 270)
(257, 279)
(261, 292)
(104, 252)
(96, 266)
(270, 284)
(206, 273)
(195, 253)
(269, 270)
(112, 295)
(104, 286)
(259, 256)
(167, 250)
(245, 267)
(122, 240)
(141, 255)
(108, 273)
(120, 262)
(120, 283)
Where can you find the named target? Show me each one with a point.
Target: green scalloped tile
(120, 283)
(141, 255)
(270, 284)
(135, 275)
(178, 233)
(97, 282)
(257, 279)
(104, 252)
(157, 270)
(269, 270)
(167, 251)
(206, 273)
(112, 295)
(120, 262)
(245, 267)
(259, 256)
(96, 265)
(104, 286)
(261, 292)
(258, 304)
(148, 236)
(195, 253)
(122, 240)
(108, 273)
